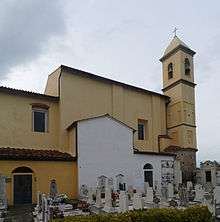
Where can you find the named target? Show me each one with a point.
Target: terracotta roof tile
(34, 154)
(21, 92)
(178, 148)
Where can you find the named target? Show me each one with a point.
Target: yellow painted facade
(16, 123)
(89, 98)
(65, 174)
(81, 95)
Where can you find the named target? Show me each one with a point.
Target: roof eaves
(8, 153)
(74, 124)
(20, 92)
(180, 47)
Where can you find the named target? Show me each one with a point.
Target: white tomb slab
(90, 195)
(217, 194)
(138, 202)
(123, 202)
(146, 185)
(170, 190)
(199, 193)
(45, 209)
(189, 185)
(3, 195)
(150, 195)
(98, 203)
(108, 200)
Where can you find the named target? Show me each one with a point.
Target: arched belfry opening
(148, 174)
(187, 66)
(22, 185)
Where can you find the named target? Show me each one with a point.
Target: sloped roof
(9, 153)
(178, 148)
(21, 92)
(174, 44)
(100, 116)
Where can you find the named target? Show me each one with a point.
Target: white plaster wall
(155, 160)
(105, 147)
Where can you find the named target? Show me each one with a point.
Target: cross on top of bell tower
(175, 31)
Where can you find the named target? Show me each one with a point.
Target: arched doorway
(22, 185)
(148, 174)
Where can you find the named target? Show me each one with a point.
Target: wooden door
(22, 189)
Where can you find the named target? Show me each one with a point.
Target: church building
(85, 128)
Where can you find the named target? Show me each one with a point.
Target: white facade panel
(105, 147)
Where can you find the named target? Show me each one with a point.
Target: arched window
(187, 66)
(170, 71)
(148, 174)
(22, 170)
(148, 166)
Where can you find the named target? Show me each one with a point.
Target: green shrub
(192, 214)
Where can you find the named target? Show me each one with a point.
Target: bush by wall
(192, 214)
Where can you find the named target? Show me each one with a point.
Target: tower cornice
(183, 81)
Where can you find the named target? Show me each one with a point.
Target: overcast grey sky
(118, 39)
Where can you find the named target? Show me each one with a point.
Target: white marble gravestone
(45, 209)
(138, 202)
(146, 185)
(3, 194)
(199, 193)
(108, 199)
(189, 185)
(98, 203)
(123, 202)
(90, 195)
(39, 201)
(170, 190)
(217, 194)
(150, 195)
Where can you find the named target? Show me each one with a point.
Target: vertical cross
(174, 31)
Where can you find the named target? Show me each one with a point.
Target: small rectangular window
(40, 120)
(141, 129)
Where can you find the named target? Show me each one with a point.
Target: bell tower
(178, 84)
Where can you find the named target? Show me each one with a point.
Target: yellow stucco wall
(16, 123)
(65, 174)
(52, 86)
(82, 97)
